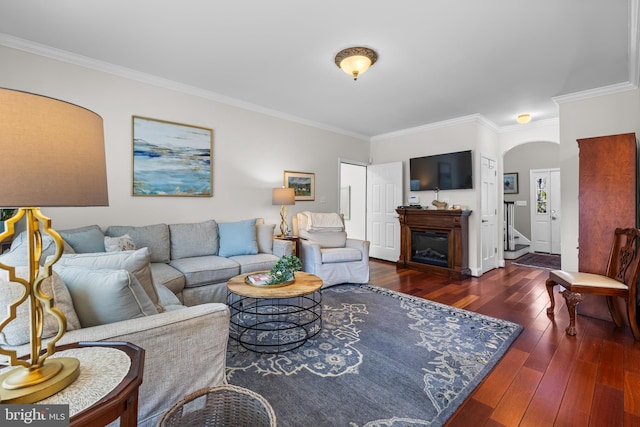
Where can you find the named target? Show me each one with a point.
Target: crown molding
(83, 61)
(473, 118)
(592, 93)
(534, 124)
(634, 42)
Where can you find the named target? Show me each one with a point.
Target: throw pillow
(16, 332)
(135, 262)
(194, 239)
(238, 238)
(265, 238)
(84, 239)
(103, 296)
(17, 254)
(155, 237)
(121, 243)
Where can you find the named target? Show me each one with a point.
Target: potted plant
(284, 269)
(5, 214)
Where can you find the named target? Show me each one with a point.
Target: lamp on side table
(52, 155)
(283, 196)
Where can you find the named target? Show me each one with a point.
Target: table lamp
(283, 196)
(52, 155)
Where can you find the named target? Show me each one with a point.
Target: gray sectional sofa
(194, 260)
(172, 278)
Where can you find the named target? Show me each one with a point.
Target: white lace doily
(101, 370)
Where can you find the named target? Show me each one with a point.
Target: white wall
(459, 135)
(355, 177)
(251, 150)
(604, 115)
(521, 159)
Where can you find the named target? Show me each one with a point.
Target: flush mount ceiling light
(524, 118)
(356, 60)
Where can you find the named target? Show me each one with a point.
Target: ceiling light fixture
(524, 118)
(356, 60)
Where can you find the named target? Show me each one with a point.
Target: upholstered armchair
(327, 252)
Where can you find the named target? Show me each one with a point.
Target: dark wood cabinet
(607, 199)
(451, 226)
(607, 196)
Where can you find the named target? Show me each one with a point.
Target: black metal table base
(274, 325)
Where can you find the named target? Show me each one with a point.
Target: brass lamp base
(29, 385)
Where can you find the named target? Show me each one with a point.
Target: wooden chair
(619, 281)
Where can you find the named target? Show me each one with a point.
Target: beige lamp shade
(283, 196)
(52, 153)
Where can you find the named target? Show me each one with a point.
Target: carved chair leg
(550, 285)
(613, 310)
(633, 320)
(572, 299)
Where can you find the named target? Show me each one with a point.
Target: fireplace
(435, 241)
(430, 247)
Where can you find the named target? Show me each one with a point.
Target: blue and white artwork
(171, 159)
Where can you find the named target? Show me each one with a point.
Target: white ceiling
(437, 59)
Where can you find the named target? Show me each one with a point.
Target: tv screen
(451, 171)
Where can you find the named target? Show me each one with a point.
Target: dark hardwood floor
(547, 378)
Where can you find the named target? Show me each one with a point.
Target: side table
(121, 402)
(296, 243)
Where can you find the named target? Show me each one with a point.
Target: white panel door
(384, 195)
(555, 210)
(489, 212)
(545, 210)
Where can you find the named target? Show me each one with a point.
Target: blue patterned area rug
(383, 358)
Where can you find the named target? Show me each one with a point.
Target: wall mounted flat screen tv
(450, 171)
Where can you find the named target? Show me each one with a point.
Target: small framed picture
(303, 184)
(510, 181)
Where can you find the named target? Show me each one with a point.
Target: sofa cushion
(204, 270)
(195, 239)
(84, 239)
(16, 332)
(238, 238)
(165, 275)
(135, 262)
(258, 262)
(17, 253)
(121, 243)
(333, 239)
(155, 237)
(103, 296)
(330, 255)
(169, 300)
(264, 233)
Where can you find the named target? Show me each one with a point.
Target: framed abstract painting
(171, 159)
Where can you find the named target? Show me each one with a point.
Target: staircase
(515, 244)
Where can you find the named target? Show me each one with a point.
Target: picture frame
(171, 159)
(303, 184)
(510, 183)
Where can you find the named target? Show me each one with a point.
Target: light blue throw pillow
(84, 239)
(102, 296)
(238, 238)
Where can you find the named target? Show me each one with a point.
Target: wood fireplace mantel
(455, 223)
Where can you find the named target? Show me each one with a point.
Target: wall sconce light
(283, 196)
(356, 60)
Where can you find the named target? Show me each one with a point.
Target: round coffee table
(273, 320)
